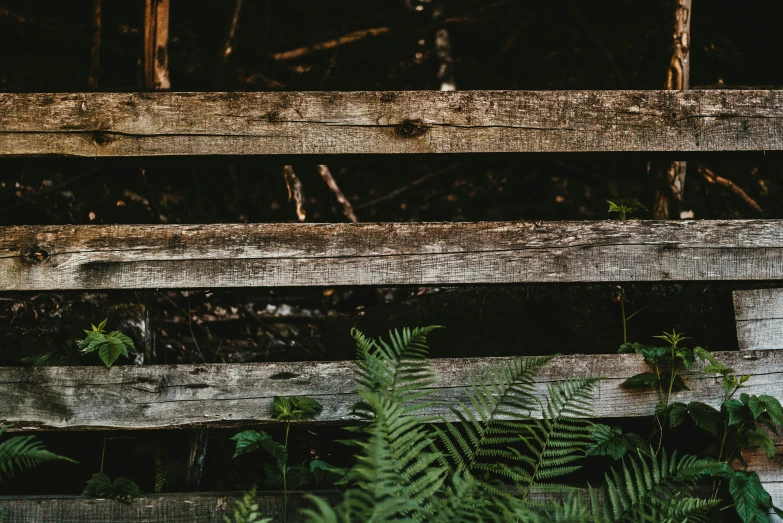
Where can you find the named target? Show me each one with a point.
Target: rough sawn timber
(759, 317)
(207, 507)
(155, 124)
(247, 255)
(215, 395)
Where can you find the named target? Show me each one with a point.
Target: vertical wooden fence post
(156, 43)
(670, 180)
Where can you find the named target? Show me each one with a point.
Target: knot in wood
(35, 254)
(101, 138)
(410, 128)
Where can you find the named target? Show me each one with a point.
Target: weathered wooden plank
(208, 507)
(178, 396)
(759, 317)
(153, 124)
(241, 255)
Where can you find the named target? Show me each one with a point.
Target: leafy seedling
(108, 345)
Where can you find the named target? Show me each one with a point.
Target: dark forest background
(561, 44)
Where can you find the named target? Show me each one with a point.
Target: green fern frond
(246, 510)
(655, 488)
(23, 452)
(400, 368)
(501, 403)
(559, 439)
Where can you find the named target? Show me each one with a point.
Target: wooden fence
(36, 258)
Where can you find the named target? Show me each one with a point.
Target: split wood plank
(215, 395)
(248, 255)
(208, 507)
(153, 124)
(759, 317)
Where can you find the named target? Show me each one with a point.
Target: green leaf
(643, 380)
(607, 441)
(633, 348)
(686, 356)
(23, 452)
(704, 416)
(657, 355)
(274, 477)
(109, 352)
(773, 407)
(678, 413)
(757, 437)
(677, 385)
(738, 412)
(121, 489)
(248, 441)
(750, 499)
(323, 471)
(295, 408)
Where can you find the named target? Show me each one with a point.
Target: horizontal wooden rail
(243, 255)
(210, 507)
(214, 395)
(155, 124)
(759, 317)
(206, 507)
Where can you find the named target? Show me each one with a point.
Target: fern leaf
(501, 403)
(650, 488)
(24, 452)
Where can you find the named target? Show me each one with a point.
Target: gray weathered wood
(759, 317)
(153, 124)
(241, 255)
(208, 507)
(214, 395)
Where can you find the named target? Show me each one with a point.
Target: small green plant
(23, 452)
(108, 345)
(101, 486)
(738, 425)
(280, 474)
(246, 510)
(622, 205)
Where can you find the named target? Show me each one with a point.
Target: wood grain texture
(180, 396)
(243, 255)
(159, 508)
(153, 124)
(759, 317)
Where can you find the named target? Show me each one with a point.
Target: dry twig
(355, 36)
(330, 181)
(294, 190)
(228, 47)
(714, 178)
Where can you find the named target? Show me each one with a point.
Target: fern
(504, 435)
(401, 369)
(650, 488)
(23, 452)
(502, 440)
(246, 510)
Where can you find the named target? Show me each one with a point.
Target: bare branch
(714, 178)
(294, 190)
(330, 181)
